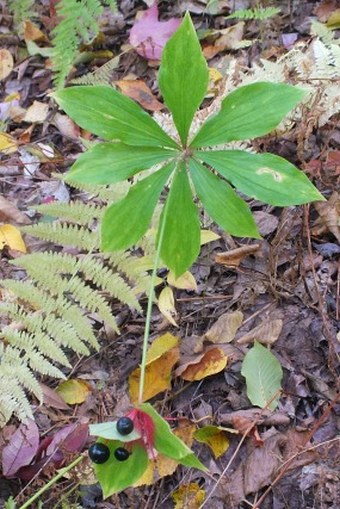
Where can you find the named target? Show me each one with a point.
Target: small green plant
(193, 171)
(258, 13)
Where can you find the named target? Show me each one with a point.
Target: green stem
(149, 308)
(60, 474)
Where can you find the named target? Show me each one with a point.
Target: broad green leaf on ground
(168, 444)
(108, 430)
(248, 112)
(126, 221)
(181, 239)
(111, 115)
(109, 163)
(221, 202)
(114, 475)
(263, 374)
(265, 177)
(183, 76)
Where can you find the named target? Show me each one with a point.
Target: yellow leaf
(209, 363)
(188, 496)
(162, 356)
(224, 330)
(74, 391)
(8, 144)
(184, 282)
(11, 237)
(6, 63)
(208, 236)
(166, 304)
(215, 437)
(333, 21)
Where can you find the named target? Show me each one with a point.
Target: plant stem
(149, 308)
(56, 478)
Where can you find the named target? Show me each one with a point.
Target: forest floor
(288, 285)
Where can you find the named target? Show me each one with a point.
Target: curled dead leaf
(224, 330)
(209, 363)
(234, 257)
(266, 333)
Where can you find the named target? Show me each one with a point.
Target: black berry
(121, 454)
(99, 453)
(124, 425)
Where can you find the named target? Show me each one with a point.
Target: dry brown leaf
(6, 63)
(229, 39)
(33, 33)
(209, 363)
(8, 211)
(224, 330)
(36, 113)
(329, 212)
(266, 333)
(52, 398)
(66, 126)
(234, 257)
(141, 93)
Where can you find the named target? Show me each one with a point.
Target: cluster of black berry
(99, 453)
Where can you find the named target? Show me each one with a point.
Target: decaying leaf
(6, 63)
(162, 356)
(74, 391)
(10, 236)
(8, 211)
(215, 437)
(21, 448)
(33, 33)
(188, 496)
(208, 363)
(166, 304)
(36, 113)
(329, 212)
(141, 93)
(234, 257)
(266, 333)
(229, 38)
(184, 282)
(224, 330)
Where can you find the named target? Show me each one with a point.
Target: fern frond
(21, 10)
(258, 13)
(101, 76)
(64, 234)
(73, 212)
(325, 34)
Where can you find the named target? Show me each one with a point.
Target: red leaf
(148, 35)
(21, 449)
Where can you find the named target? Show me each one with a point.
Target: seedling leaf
(263, 374)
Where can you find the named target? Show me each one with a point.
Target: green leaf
(265, 177)
(181, 239)
(249, 112)
(112, 116)
(168, 444)
(114, 475)
(126, 221)
(263, 374)
(221, 202)
(109, 431)
(183, 76)
(109, 163)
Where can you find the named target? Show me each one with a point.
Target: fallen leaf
(8, 144)
(74, 391)
(6, 63)
(329, 212)
(149, 35)
(266, 223)
(161, 358)
(11, 237)
(21, 449)
(229, 38)
(33, 33)
(166, 305)
(184, 282)
(224, 330)
(188, 496)
(266, 333)
(234, 257)
(333, 21)
(66, 126)
(209, 363)
(52, 399)
(208, 236)
(9, 211)
(141, 93)
(36, 113)
(215, 437)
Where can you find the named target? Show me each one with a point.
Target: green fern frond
(101, 76)
(73, 212)
(258, 13)
(21, 10)
(64, 234)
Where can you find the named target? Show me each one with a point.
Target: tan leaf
(74, 391)
(9, 211)
(33, 33)
(266, 333)
(52, 398)
(329, 212)
(8, 144)
(166, 304)
(11, 237)
(188, 496)
(141, 93)
(6, 63)
(224, 330)
(209, 363)
(36, 113)
(184, 282)
(66, 126)
(234, 257)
